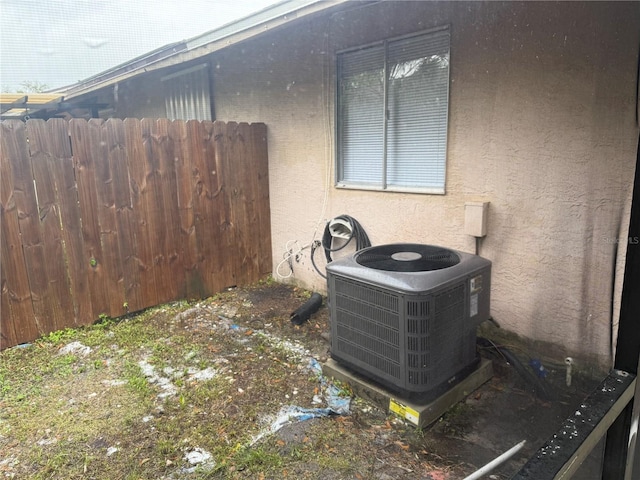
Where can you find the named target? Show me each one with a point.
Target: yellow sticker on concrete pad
(405, 412)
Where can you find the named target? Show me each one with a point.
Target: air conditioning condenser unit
(405, 315)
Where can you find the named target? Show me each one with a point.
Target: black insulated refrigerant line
(357, 232)
(540, 389)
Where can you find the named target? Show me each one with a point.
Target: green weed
(60, 336)
(135, 379)
(257, 458)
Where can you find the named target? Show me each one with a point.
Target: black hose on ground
(357, 232)
(540, 389)
(307, 309)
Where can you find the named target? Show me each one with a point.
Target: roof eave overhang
(211, 42)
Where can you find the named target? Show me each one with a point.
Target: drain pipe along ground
(496, 461)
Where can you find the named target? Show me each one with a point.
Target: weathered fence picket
(109, 217)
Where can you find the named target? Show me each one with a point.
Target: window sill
(371, 188)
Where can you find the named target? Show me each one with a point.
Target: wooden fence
(113, 217)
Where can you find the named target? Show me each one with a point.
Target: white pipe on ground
(496, 461)
(568, 362)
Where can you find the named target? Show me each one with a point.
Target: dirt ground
(491, 420)
(207, 390)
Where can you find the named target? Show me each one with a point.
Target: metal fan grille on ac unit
(407, 257)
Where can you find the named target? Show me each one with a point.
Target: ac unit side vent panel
(417, 344)
(377, 362)
(418, 317)
(362, 341)
(367, 294)
(370, 313)
(355, 323)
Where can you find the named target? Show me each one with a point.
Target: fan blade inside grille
(430, 258)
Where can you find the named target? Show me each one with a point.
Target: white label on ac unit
(476, 284)
(474, 305)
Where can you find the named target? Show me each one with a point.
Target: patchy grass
(144, 396)
(191, 391)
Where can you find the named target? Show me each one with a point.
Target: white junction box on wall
(475, 218)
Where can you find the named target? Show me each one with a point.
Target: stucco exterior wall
(541, 124)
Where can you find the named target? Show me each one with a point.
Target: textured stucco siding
(541, 125)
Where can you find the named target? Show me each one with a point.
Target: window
(187, 94)
(392, 109)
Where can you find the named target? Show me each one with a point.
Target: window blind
(414, 108)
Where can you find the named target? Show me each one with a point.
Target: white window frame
(365, 138)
